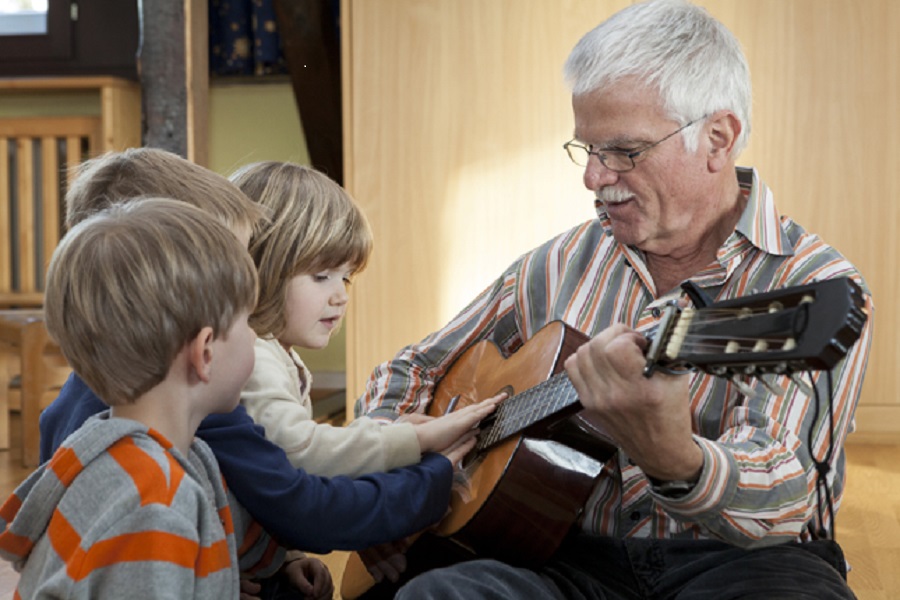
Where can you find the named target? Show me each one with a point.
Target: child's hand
(445, 434)
(386, 561)
(414, 418)
(311, 578)
(250, 589)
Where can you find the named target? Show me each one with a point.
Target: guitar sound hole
(508, 390)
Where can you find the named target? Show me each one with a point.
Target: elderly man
(715, 489)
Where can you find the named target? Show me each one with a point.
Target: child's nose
(340, 296)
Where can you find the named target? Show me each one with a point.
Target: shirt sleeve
(318, 514)
(758, 482)
(274, 399)
(406, 383)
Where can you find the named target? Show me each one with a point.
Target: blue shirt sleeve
(302, 511)
(321, 514)
(75, 404)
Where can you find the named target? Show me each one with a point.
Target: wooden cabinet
(37, 154)
(119, 103)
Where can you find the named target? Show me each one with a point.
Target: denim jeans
(592, 567)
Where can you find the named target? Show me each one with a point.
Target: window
(23, 17)
(35, 29)
(82, 38)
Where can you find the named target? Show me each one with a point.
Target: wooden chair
(35, 156)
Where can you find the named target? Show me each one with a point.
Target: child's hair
(120, 176)
(314, 225)
(128, 287)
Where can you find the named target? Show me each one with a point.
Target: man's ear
(723, 129)
(200, 354)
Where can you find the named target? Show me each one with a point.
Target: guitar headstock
(802, 328)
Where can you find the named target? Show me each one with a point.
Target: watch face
(672, 489)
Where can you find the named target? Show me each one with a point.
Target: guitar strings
(697, 337)
(522, 410)
(716, 315)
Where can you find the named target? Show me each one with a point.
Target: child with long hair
(315, 241)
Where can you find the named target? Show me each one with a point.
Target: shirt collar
(760, 223)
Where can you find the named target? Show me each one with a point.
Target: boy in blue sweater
(311, 513)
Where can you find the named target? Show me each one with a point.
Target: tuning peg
(802, 385)
(745, 389)
(769, 383)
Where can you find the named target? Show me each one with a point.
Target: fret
(527, 408)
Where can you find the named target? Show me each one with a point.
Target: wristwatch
(671, 489)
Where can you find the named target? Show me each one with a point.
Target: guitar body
(525, 493)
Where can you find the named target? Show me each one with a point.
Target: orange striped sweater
(118, 512)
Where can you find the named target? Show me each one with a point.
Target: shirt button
(655, 312)
(635, 516)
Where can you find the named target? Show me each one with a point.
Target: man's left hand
(650, 418)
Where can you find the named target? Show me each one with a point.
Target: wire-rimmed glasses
(619, 161)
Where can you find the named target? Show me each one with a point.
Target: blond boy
(148, 301)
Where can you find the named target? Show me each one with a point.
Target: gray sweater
(119, 513)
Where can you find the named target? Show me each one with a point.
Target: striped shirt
(119, 513)
(758, 482)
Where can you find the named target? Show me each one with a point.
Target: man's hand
(649, 418)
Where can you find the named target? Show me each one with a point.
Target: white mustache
(613, 195)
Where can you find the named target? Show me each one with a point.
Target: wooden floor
(868, 524)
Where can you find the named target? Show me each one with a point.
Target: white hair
(693, 61)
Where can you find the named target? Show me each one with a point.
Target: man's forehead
(611, 121)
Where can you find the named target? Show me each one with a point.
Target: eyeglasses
(619, 161)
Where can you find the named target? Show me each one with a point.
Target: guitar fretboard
(528, 408)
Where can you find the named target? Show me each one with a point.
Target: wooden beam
(309, 33)
(197, 74)
(173, 70)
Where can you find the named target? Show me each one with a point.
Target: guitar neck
(782, 331)
(551, 400)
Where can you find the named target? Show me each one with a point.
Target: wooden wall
(456, 111)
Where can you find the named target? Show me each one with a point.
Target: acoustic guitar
(537, 457)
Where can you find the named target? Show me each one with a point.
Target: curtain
(243, 38)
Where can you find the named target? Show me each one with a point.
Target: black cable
(824, 466)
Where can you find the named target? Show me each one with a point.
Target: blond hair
(128, 287)
(120, 176)
(314, 225)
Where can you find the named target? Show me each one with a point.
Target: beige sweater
(277, 397)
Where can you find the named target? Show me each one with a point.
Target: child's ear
(200, 353)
